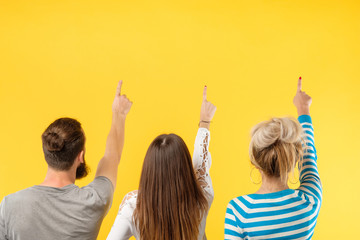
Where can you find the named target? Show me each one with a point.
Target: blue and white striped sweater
(288, 214)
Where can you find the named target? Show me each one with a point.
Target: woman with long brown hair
(175, 191)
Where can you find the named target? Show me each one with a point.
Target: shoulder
(101, 182)
(99, 192)
(130, 197)
(129, 200)
(13, 201)
(26, 194)
(311, 197)
(128, 204)
(236, 200)
(234, 212)
(100, 185)
(235, 204)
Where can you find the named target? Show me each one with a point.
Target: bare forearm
(115, 139)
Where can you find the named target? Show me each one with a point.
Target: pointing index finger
(299, 85)
(118, 89)
(204, 93)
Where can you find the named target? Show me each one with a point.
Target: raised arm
(309, 175)
(108, 165)
(201, 156)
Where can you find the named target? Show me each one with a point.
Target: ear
(261, 172)
(80, 157)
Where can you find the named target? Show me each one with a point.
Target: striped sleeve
(309, 175)
(232, 230)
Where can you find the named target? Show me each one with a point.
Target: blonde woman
(275, 211)
(175, 191)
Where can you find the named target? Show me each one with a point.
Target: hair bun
(289, 129)
(276, 146)
(277, 129)
(53, 142)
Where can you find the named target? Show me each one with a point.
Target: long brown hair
(170, 201)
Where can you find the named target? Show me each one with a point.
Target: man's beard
(82, 170)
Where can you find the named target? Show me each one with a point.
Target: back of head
(62, 141)
(276, 146)
(170, 201)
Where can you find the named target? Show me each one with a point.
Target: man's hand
(302, 101)
(207, 111)
(121, 105)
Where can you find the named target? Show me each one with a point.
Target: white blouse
(124, 226)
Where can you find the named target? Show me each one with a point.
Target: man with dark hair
(58, 209)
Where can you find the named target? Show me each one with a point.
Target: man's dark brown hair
(62, 141)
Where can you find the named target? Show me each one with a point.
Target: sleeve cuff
(305, 118)
(204, 130)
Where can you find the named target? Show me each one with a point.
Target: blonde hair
(276, 146)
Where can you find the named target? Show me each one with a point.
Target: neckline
(272, 194)
(55, 189)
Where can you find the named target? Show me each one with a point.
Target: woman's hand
(121, 105)
(302, 101)
(207, 111)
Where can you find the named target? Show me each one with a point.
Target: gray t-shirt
(70, 212)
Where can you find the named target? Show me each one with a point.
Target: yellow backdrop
(64, 58)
